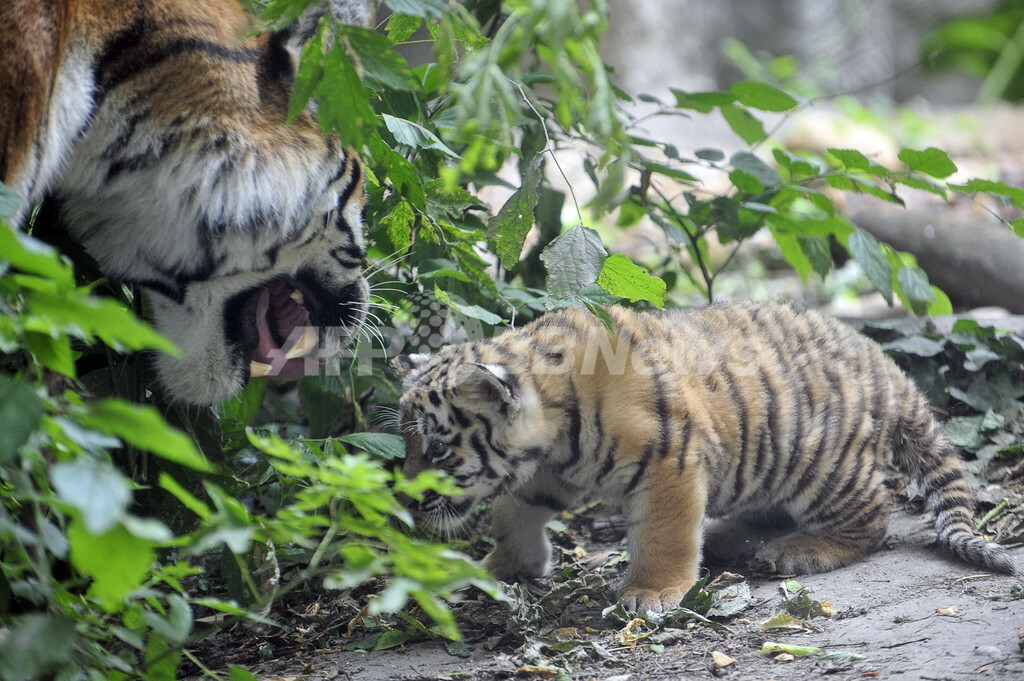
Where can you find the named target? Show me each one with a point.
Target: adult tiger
(160, 126)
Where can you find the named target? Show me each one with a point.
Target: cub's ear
(406, 364)
(489, 383)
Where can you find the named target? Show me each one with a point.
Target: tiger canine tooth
(258, 369)
(306, 343)
(296, 295)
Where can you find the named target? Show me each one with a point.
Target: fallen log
(977, 263)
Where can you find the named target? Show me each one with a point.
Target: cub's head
(478, 422)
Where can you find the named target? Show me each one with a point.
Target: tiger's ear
(489, 383)
(348, 12)
(406, 364)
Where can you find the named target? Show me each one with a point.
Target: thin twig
(548, 147)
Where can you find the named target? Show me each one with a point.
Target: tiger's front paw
(510, 568)
(641, 600)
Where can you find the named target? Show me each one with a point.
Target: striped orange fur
(159, 128)
(730, 408)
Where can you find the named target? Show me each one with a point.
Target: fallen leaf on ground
(722, 660)
(635, 630)
(565, 634)
(949, 611)
(536, 670)
(770, 647)
(782, 621)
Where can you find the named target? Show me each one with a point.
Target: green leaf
(941, 305)
(713, 155)
(868, 253)
(107, 319)
(703, 102)
(36, 645)
(751, 164)
(385, 445)
(33, 256)
(239, 674)
(161, 659)
(415, 136)
(750, 129)
(391, 639)
(797, 165)
(762, 96)
(52, 350)
(426, 9)
(400, 171)
(143, 427)
(176, 625)
(622, 277)
(918, 346)
(309, 74)
(401, 27)
(792, 252)
(116, 560)
(379, 59)
(508, 229)
(855, 160)
(573, 260)
(342, 99)
(97, 489)
(745, 182)
(21, 411)
(472, 311)
(770, 648)
(914, 283)
(187, 499)
(668, 171)
(930, 161)
(459, 649)
(399, 223)
(1000, 190)
(10, 201)
(242, 408)
(818, 252)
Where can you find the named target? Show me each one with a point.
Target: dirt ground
(907, 612)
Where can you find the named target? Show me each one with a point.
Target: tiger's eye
(437, 449)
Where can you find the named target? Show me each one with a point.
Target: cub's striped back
(735, 407)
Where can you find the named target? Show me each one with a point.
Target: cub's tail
(924, 450)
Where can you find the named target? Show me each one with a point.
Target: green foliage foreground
(112, 519)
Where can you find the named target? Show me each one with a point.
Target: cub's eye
(437, 449)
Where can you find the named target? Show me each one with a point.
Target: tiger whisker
(381, 265)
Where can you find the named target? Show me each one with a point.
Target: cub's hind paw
(641, 600)
(805, 554)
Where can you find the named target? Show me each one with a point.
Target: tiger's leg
(664, 539)
(522, 548)
(834, 532)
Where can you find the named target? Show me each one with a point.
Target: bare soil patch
(908, 611)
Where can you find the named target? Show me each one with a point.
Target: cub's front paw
(641, 600)
(512, 568)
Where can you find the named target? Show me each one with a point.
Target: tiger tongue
(277, 306)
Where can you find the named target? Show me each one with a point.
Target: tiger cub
(735, 407)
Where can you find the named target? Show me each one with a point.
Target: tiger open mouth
(287, 337)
